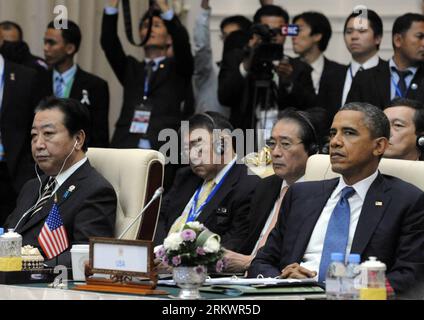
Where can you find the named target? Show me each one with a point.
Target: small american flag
(52, 238)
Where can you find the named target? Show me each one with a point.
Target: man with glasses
(292, 141)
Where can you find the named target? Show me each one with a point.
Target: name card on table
(121, 257)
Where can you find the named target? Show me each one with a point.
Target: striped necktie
(47, 193)
(58, 91)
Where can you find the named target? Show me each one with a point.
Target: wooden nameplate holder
(129, 264)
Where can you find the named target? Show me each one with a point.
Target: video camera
(267, 52)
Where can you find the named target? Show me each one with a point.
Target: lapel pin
(85, 99)
(378, 204)
(12, 76)
(69, 191)
(414, 86)
(161, 66)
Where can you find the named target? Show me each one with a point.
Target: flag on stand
(52, 238)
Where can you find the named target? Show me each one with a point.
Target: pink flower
(200, 251)
(188, 235)
(160, 253)
(165, 261)
(176, 261)
(219, 266)
(200, 269)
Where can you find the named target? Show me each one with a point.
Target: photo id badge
(141, 119)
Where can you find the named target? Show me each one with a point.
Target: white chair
(135, 175)
(318, 167)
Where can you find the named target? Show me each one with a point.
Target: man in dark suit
(239, 79)
(310, 44)
(293, 140)
(403, 75)
(362, 212)
(68, 80)
(18, 98)
(215, 190)
(86, 201)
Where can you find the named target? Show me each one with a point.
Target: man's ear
(381, 145)
(80, 138)
(397, 40)
(71, 49)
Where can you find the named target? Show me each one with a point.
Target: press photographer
(255, 105)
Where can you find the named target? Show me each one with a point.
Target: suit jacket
(97, 91)
(263, 201)
(393, 232)
(170, 92)
(331, 88)
(237, 91)
(374, 86)
(226, 213)
(88, 211)
(21, 94)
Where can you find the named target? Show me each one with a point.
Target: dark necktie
(59, 89)
(148, 69)
(402, 82)
(46, 195)
(337, 234)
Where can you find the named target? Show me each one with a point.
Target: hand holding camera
(284, 70)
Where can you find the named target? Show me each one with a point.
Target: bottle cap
(374, 264)
(354, 258)
(336, 256)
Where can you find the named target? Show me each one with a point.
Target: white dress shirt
(353, 69)
(1, 79)
(312, 256)
(317, 69)
(61, 178)
(271, 215)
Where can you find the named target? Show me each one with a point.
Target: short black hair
(374, 21)
(149, 14)
(72, 34)
(403, 23)
(76, 115)
(375, 119)
(308, 133)
(413, 104)
(271, 11)
(210, 120)
(243, 23)
(319, 24)
(8, 25)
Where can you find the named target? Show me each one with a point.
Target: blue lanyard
(399, 94)
(195, 213)
(146, 88)
(351, 73)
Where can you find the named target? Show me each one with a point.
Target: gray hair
(374, 118)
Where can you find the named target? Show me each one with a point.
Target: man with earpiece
(214, 190)
(406, 129)
(293, 140)
(85, 200)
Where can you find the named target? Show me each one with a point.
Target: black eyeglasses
(285, 145)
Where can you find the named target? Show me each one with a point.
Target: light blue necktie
(337, 233)
(59, 87)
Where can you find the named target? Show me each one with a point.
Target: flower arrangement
(194, 246)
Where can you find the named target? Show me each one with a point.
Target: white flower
(212, 245)
(173, 241)
(196, 225)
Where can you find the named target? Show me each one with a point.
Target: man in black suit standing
(239, 79)
(361, 212)
(293, 140)
(67, 80)
(19, 94)
(310, 44)
(403, 75)
(214, 190)
(86, 201)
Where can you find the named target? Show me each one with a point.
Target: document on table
(249, 281)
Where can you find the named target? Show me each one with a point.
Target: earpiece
(314, 147)
(218, 143)
(420, 141)
(76, 143)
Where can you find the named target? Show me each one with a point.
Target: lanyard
(398, 93)
(351, 73)
(195, 213)
(146, 88)
(68, 86)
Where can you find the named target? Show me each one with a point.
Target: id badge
(141, 119)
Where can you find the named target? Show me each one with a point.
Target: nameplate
(121, 257)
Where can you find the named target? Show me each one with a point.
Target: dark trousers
(7, 194)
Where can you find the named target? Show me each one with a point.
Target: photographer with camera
(260, 80)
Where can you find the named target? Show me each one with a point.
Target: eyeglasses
(285, 145)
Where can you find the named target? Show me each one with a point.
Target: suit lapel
(309, 215)
(375, 204)
(8, 89)
(160, 75)
(73, 180)
(418, 81)
(382, 79)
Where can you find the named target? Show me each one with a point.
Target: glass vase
(189, 279)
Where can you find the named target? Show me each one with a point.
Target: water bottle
(350, 282)
(10, 249)
(336, 271)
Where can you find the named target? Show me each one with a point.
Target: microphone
(157, 194)
(420, 142)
